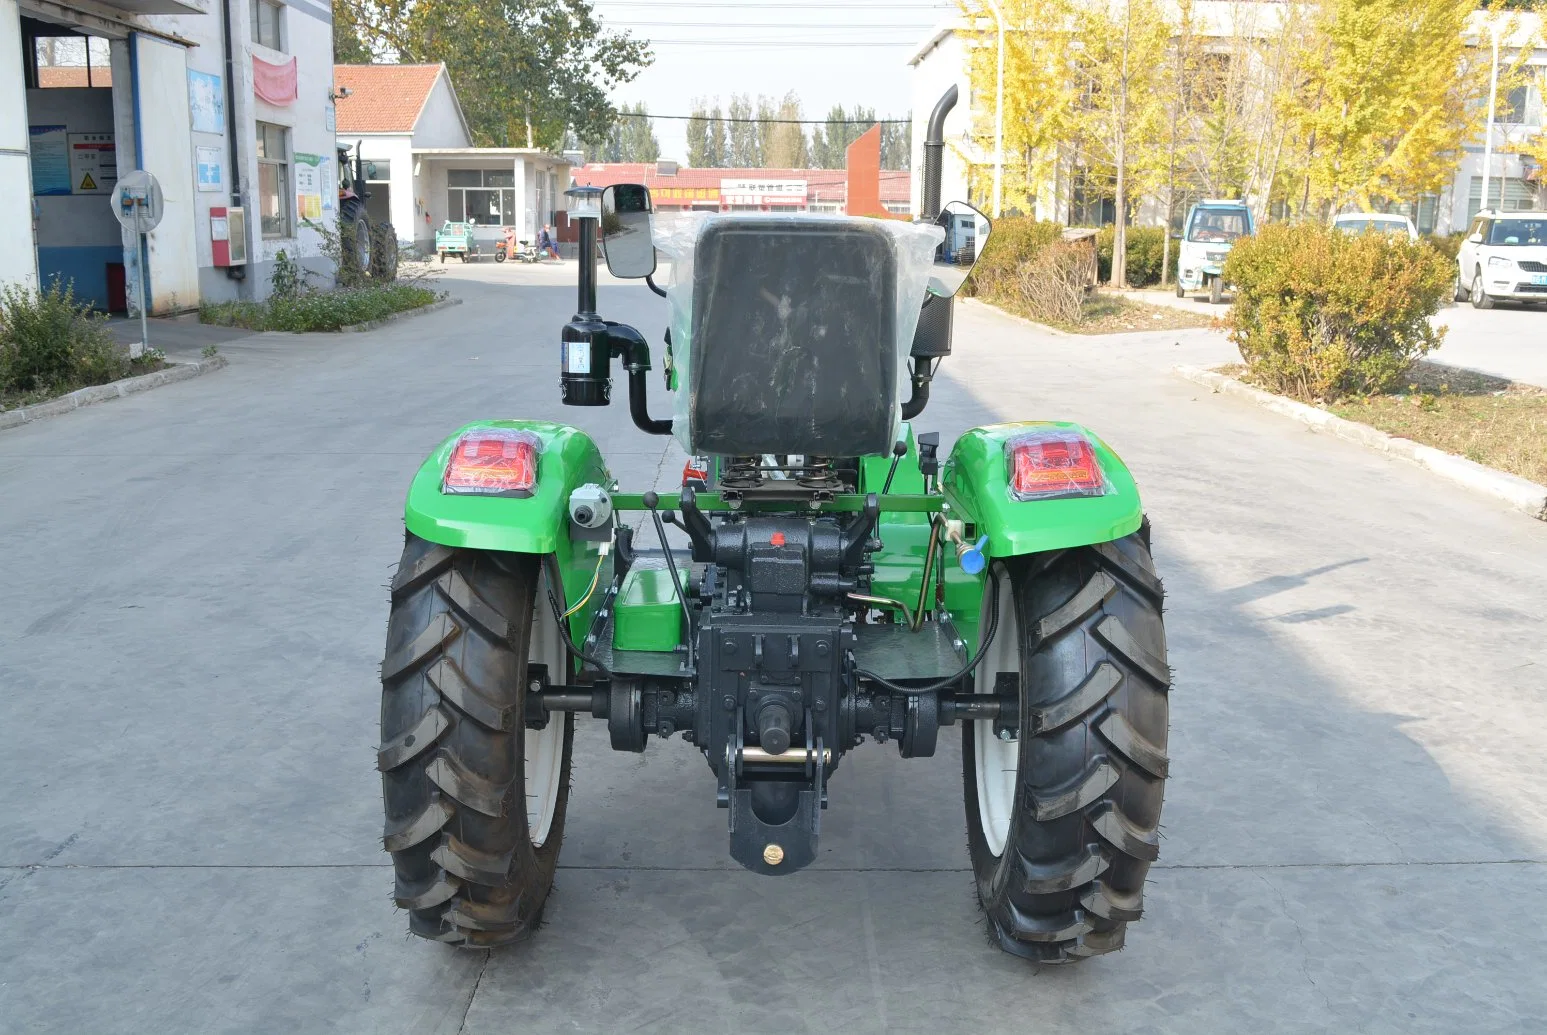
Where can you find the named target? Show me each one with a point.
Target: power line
(791, 122)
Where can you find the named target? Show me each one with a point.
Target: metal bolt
(667, 728)
(1005, 735)
(957, 644)
(535, 685)
(773, 855)
(821, 648)
(730, 703)
(665, 699)
(728, 645)
(752, 693)
(821, 704)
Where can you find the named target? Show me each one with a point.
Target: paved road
(1356, 839)
(1509, 341)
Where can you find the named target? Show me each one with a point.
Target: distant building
(1515, 180)
(225, 102)
(421, 167)
(675, 188)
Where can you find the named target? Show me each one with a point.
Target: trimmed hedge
(1321, 315)
(1146, 245)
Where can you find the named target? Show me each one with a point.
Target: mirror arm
(626, 342)
(650, 282)
(922, 375)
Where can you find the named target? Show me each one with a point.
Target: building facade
(421, 168)
(1515, 181)
(226, 102)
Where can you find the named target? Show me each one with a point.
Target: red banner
(274, 83)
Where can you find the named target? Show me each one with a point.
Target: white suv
(1505, 256)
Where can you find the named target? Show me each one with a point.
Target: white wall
(18, 262)
(396, 148)
(938, 70)
(440, 123)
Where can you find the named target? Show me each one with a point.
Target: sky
(828, 51)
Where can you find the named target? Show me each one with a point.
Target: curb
(371, 325)
(1044, 328)
(102, 393)
(1522, 495)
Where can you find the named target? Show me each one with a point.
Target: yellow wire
(595, 576)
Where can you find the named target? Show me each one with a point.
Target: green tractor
(830, 578)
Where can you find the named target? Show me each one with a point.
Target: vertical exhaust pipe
(934, 155)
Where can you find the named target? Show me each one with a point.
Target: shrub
(1051, 287)
(288, 279)
(51, 343)
(1448, 245)
(319, 310)
(1321, 314)
(1014, 243)
(1146, 245)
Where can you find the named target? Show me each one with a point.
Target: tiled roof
(821, 184)
(383, 98)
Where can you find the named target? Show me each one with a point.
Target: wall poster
(211, 175)
(50, 150)
(308, 186)
(93, 163)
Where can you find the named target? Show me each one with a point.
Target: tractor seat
(792, 341)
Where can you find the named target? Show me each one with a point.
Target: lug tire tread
(1094, 709)
(453, 782)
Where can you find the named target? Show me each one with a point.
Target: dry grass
(1489, 420)
(1112, 314)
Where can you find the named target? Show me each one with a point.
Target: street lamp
(998, 113)
(1493, 96)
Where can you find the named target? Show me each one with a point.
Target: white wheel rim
(544, 755)
(997, 760)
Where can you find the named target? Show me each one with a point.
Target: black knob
(773, 727)
(651, 500)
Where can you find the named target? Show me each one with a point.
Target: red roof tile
(383, 98)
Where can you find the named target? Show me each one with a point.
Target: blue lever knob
(971, 557)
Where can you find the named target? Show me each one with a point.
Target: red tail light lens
(1053, 465)
(493, 462)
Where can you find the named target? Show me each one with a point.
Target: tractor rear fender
(537, 524)
(976, 480)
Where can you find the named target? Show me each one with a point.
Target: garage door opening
(70, 83)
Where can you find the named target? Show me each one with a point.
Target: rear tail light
(1053, 465)
(493, 462)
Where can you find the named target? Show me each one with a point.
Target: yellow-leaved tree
(1040, 97)
(1385, 99)
(1122, 119)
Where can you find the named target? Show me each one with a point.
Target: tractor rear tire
(384, 254)
(475, 801)
(355, 244)
(1062, 823)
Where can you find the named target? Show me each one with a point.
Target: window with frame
(274, 180)
(484, 196)
(268, 24)
(69, 62)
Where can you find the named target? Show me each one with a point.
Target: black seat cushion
(793, 349)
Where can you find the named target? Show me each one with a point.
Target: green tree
(698, 133)
(897, 145)
(746, 150)
(718, 151)
(524, 70)
(348, 46)
(637, 141)
(784, 139)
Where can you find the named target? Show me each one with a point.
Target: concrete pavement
(1507, 341)
(1355, 835)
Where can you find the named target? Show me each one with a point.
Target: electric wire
(595, 576)
(973, 663)
(551, 563)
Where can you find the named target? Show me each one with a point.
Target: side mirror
(626, 241)
(966, 235)
(1476, 239)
